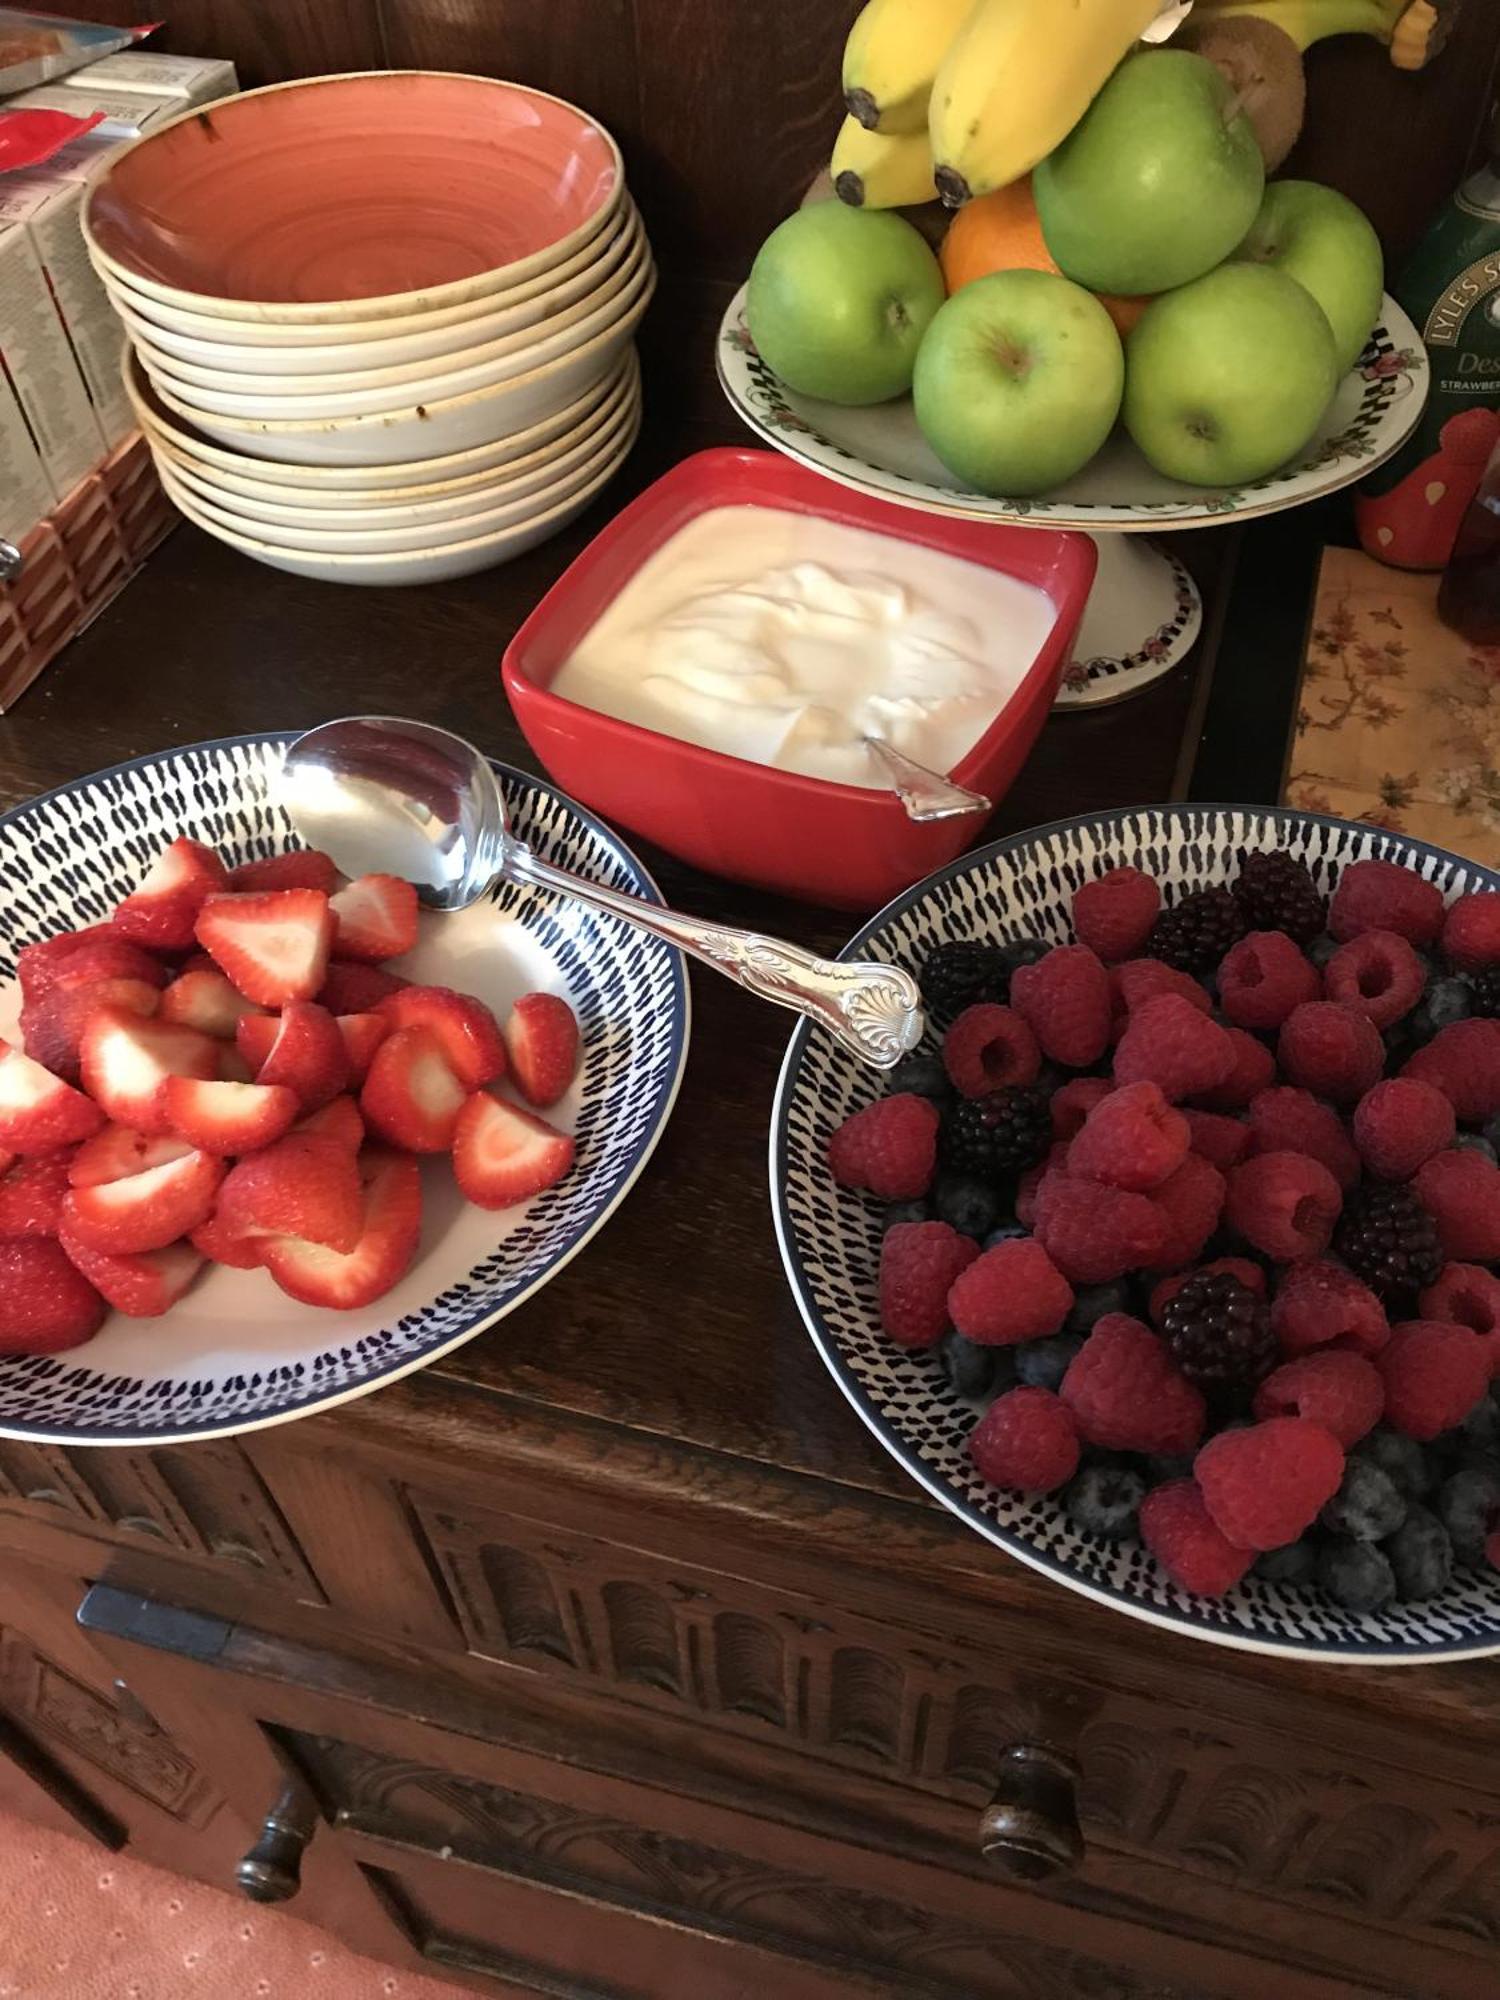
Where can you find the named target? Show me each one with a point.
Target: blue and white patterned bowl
(236, 1353)
(830, 1239)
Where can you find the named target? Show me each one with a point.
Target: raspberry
(1074, 1101)
(1320, 1304)
(1285, 1204)
(1284, 1120)
(1471, 931)
(1141, 979)
(1379, 974)
(918, 1264)
(1168, 1042)
(1254, 1071)
(1189, 1203)
(1263, 978)
(1127, 1393)
(1434, 1374)
(1114, 914)
(890, 1148)
(1195, 933)
(1463, 1062)
(1385, 896)
(1332, 1049)
(1065, 999)
(1276, 893)
(1400, 1123)
(1264, 1486)
(1461, 1191)
(1343, 1392)
(1251, 1276)
(1179, 1531)
(1026, 1439)
(1094, 1233)
(988, 1046)
(1132, 1139)
(1029, 1185)
(1467, 1295)
(1013, 1292)
(1219, 1140)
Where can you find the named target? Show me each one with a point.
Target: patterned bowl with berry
(1171, 1261)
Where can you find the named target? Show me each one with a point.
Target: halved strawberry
(273, 946)
(253, 1037)
(31, 1194)
(469, 1033)
(222, 1246)
(339, 1121)
(107, 957)
(306, 1053)
(363, 1034)
(46, 1304)
(503, 1155)
(126, 1062)
(357, 989)
(229, 1118)
(390, 1234)
(163, 910)
(303, 868)
(52, 1027)
(143, 1284)
(207, 1001)
(377, 918)
(541, 1040)
(301, 1186)
(144, 1211)
(116, 1152)
(38, 1111)
(37, 965)
(411, 1096)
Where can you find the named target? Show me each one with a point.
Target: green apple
(839, 300)
(1018, 381)
(1317, 236)
(1226, 378)
(1157, 183)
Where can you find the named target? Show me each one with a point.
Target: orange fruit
(1003, 232)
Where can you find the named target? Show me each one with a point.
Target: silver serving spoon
(387, 796)
(924, 794)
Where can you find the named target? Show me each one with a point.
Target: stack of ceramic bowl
(381, 325)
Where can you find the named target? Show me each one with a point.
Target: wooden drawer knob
(1030, 1828)
(272, 1870)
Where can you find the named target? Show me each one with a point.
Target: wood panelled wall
(725, 108)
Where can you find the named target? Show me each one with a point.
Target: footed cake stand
(1145, 611)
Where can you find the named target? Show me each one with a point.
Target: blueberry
(1041, 1364)
(905, 1211)
(969, 1206)
(1474, 1142)
(1420, 1555)
(1491, 1132)
(1008, 1232)
(1296, 1563)
(1092, 1302)
(1469, 1508)
(974, 1372)
(1102, 1500)
(1162, 1466)
(1322, 949)
(923, 1076)
(1022, 951)
(1482, 1425)
(1402, 1459)
(1356, 1575)
(1419, 1026)
(1368, 1504)
(1447, 1001)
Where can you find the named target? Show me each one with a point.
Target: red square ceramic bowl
(808, 837)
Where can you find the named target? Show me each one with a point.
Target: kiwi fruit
(1264, 65)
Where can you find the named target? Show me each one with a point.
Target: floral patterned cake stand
(1145, 611)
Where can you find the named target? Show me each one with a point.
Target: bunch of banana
(1414, 30)
(894, 51)
(882, 169)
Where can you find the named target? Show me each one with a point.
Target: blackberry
(1389, 1239)
(1276, 893)
(1004, 1133)
(970, 1206)
(1022, 951)
(1041, 1364)
(1468, 1506)
(1195, 933)
(1484, 990)
(1402, 1459)
(1102, 1500)
(1367, 1506)
(1420, 1555)
(1219, 1334)
(961, 974)
(1296, 1563)
(923, 1076)
(975, 1373)
(1356, 1575)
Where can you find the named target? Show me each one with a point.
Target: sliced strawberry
(126, 1063)
(303, 868)
(145, 1211)
(52, 1027)
(387, 1246)
(232, 1065)
(207, 1001)
(117, 1152)
(222, 1246)
(339, 1121)
(107, 957)
(163, 910)
(301, 1186)
(503, 1155)
(274, 946)
(411, 1096)
(254, 1036)
(377, 918)
(227, 1119)
(38, 1111)
(37, 965)
(143, 1284)
(358, 989)
(469, 1033)
(45, 1303)
(541, 1040)
(363, 1034)
(31, 1194)
(306, 1053)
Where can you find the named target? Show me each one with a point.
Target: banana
(1414, 29)
(882, 170)
(891, 57)
(1019, 76)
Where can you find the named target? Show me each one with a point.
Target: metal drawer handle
(272, 1870)
(1030, 1828)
